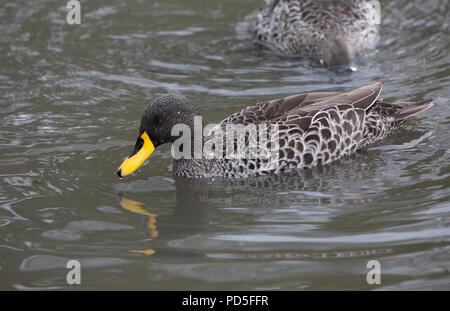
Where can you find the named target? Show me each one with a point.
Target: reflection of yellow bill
(136, 207)
(132, 163)
(147, 252)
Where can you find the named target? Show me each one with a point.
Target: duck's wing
(363, 98)
(304, 105)
(272, 111)
(347, 108)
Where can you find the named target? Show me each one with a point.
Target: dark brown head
(159, 117)
(336, 54)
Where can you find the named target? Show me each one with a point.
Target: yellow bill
(141, 152)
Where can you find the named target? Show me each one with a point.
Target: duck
(311, 129)
(327, 32)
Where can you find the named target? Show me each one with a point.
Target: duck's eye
(157, 120)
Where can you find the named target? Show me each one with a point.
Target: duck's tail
(410, 109)
(402, 110)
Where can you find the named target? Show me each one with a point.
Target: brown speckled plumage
(326, 31)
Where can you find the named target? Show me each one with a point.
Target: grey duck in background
(330, 32)
(314, 128)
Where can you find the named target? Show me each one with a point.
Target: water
(71, 98)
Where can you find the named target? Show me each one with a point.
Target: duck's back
(330, 31)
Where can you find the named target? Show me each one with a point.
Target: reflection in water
(316, 187)
(136, 207)
(189, 217)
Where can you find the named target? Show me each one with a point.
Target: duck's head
(160, 116)
(336, 54)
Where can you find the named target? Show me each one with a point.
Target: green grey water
(71, 97)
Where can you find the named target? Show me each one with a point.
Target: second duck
(330, 32)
